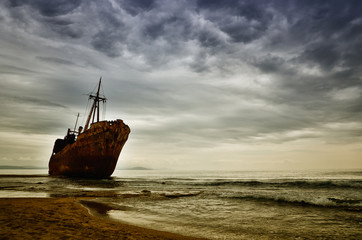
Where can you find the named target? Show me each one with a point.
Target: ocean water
(214, 204)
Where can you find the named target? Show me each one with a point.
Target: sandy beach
(64, 218)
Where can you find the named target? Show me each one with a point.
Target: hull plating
(95, 152)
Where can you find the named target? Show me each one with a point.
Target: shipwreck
(91, 152)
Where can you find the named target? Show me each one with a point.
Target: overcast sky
(234, 85)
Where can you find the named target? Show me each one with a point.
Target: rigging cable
(104, 104)
(85, 112)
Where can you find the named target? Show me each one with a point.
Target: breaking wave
(295, 184)
(348, 204)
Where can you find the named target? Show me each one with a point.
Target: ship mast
(95, 107)
(76, 122)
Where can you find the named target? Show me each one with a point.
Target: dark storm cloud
(269, 63)
(174, 23)
(322, 28)
(48, 8)
(242, 21)
(136, 7)
(323, 33)
(45, 18)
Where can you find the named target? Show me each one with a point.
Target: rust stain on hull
(95, 152)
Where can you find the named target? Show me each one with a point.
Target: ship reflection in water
(94, 152)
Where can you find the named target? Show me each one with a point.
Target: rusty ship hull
(94, 153)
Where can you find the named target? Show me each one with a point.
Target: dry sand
(64, 218)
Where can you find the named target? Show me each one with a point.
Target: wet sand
(65, 218)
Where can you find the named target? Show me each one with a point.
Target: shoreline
(68, 217)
